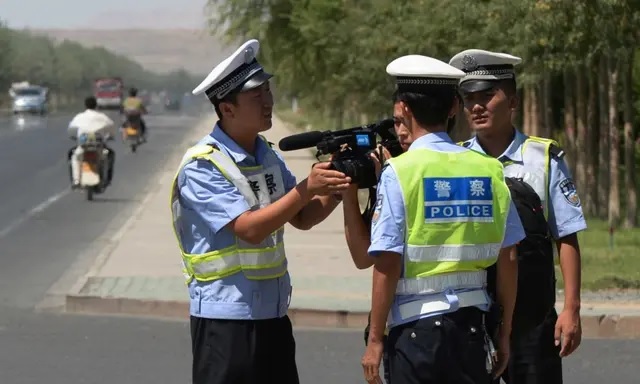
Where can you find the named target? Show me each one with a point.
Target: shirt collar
(512, 153)
(234, 150)
(430, 138)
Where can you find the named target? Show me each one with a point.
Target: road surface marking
(32, 212)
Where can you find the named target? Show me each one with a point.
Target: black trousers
(534, 357)
(444, 349)
(243, 351)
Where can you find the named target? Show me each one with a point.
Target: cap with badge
(239, 72)
(483, 68)
(415, 72)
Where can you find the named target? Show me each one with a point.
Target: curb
(593, 326)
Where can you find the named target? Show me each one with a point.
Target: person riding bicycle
(133, 108)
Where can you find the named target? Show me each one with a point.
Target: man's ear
(455, 108)
(513, 101)
(227, 110)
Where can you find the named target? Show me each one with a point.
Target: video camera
(350, 148)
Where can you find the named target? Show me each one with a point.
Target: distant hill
(157, 50)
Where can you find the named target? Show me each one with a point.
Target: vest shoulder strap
(226, 165)
(554, 149)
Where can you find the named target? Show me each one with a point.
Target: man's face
(253, 108)
(488, 110)
(402, 124)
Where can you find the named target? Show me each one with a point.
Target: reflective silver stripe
(434, 253)
(534, 159)
(267, 273)
(240, 258)
(440, 283)
(230, 169)
(440, 302)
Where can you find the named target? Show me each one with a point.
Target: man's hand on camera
(376, 155)
(323, 181)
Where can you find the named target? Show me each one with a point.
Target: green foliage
(69, 69)
(332, 55)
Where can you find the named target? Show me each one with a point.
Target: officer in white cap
(540, 336)
(444, 214)
(231, 198)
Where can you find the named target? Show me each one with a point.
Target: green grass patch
(606, 267)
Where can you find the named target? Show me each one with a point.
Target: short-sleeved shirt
(209, 202)
(388, 226)
(133, 104)
(565, 214)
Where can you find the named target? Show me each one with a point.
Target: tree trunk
(603, 139)
(631, 208)
(614, 141)
(526, 120)
(581, 132)
(569, 119)
(592, 141)
(535, 112)
(548, 125)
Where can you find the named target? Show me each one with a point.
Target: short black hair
(133, 92)
(90, 102)
(430, 105)
(509, 86)
(229, 98)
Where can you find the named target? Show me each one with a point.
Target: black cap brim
(471, 86)
(255, 81)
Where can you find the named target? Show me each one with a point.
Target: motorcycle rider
(133, 107)
(88, 122)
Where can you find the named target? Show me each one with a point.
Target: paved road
(93, 350)
(44, 226)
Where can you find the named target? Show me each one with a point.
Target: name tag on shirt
(458, 199)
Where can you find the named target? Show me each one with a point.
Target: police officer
(231, 198)
(444, 215)
(541, 337)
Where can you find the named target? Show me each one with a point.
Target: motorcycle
(94, 167)
(132, 132)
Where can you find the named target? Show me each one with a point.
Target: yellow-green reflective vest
(456, 207)
(263, 261)
(534, 167)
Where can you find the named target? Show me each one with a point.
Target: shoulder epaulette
(556, 151)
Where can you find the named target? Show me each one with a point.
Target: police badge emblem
(377, 208)
(469, 63)
(568, 189)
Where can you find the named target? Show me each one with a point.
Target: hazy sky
(111, 14)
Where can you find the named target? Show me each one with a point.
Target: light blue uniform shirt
(209, 202)
(388, 229)
(565, 217)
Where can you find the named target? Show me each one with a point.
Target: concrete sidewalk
(141, 273)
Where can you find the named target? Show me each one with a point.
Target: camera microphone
(300, 141)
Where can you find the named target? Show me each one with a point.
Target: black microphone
(300, 141)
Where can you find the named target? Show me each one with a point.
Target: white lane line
(32, 212)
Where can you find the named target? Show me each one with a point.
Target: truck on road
(109, 92)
